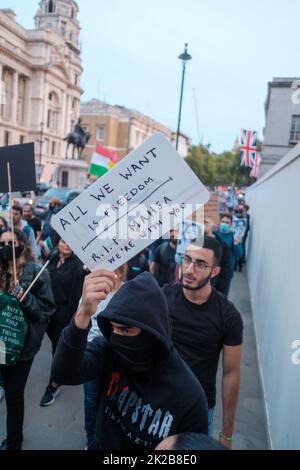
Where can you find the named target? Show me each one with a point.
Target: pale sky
(130, 54)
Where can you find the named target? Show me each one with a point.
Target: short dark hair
(17, 208)
(5, 224)
(211, 243)
(29, 205)
(229, 216)
(246, 207)
(196, 441)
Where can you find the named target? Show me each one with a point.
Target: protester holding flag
(37, 307)
(67, 276)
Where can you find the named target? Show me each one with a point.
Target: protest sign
(139, 200)
(13, 329)
(22, 167)
(211, 208)
(189, 232)
(239, 227)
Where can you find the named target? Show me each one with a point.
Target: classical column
(14, 102)
(1, 86)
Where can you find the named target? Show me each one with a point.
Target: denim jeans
(210, 421)
(91, 390)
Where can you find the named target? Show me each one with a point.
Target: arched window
(53, 111)
(51, 6)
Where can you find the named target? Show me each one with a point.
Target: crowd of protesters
(144, 340)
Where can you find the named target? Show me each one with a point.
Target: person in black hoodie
(37, 307)
(147, 392)
(67, 276)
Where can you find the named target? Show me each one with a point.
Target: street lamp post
(185, 57)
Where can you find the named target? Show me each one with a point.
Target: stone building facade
(122, 129)
(282, 128)
(40, 91)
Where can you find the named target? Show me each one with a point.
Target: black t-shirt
(200, 331)
(36, 225)
(165, 258)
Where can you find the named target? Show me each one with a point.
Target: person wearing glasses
(204, 323)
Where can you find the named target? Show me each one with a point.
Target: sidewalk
(250, 428)
(60, 426)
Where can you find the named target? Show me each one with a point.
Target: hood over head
(140, 303)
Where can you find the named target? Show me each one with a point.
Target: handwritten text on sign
(140, 199)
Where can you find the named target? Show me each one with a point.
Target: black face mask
(134, 354)
(6, 252)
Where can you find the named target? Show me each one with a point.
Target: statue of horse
(79, 138)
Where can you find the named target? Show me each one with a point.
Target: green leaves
(219, 169)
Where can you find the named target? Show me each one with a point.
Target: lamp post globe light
(184, 57)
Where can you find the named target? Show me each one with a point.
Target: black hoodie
(135, 411)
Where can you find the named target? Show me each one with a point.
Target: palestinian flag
(102, 160)
(47, 246)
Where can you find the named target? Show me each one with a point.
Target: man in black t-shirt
(204, 323)
(34, 222)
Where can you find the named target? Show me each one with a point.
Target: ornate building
(40, 73)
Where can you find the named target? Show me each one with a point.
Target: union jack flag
(255, 168)
(248, 141)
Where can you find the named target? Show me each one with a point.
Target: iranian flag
(102, 160)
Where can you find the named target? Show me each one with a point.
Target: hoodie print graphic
(136, 417)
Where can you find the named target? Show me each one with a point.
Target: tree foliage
(219, 169)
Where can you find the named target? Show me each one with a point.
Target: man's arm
(230, 388)
(153, 267)
(223, 280)
(75, 361)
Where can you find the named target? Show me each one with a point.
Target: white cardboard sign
(140, 199)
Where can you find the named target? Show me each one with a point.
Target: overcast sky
(130, 57)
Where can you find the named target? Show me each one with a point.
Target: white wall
(274, 281)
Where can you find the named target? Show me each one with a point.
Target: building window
(295, 130)
(53, 147)
(53, 112)
(6, 100)
(137, 137)
(47, 146)
(63, 28)
(51, 6)
(76, 79)
(6, 138)
(100, 134)
(21, 100)
(64, 179)
(22, 139)
(74, 104)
